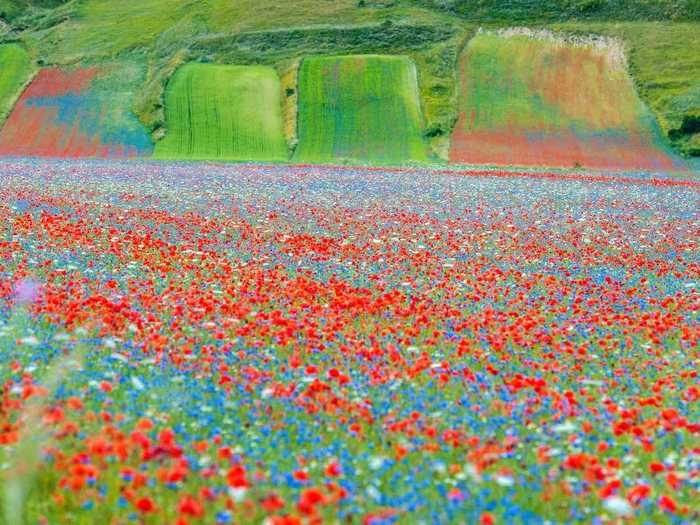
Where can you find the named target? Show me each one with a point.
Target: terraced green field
(535, 98)
(223, 113)
(15, 71)
(359, 108)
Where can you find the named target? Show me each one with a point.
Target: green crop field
(223, 112)
(15, 71)
(359, 107)
(537, 98)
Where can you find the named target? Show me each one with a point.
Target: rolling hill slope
(532, 98)
(16, 69)
(659, 36)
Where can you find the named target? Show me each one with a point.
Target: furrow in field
(362, 108)
(223, 113)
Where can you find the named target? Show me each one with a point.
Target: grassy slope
(165, 32)
(15, 71)
(361, 108)
(105, 27)
(542, 101)
(223, 112)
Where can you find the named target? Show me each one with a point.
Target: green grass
(11, 9)
(16, 69)
(361, 108)
(223, 112)
(665, 64)
(104, 27)
(101, 28)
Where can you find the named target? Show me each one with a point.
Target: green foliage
(437, 72)
(223, 112)
(689, 126)
(687, 137)
(295, 43)
(517, 11)
(12, 9)
(9, 9)
(16, 69)
(359, 108)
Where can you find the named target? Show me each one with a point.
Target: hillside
(15, 72)
(78, 112)
(533, 98)
(660, 38)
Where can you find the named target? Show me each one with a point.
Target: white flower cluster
(613, 49)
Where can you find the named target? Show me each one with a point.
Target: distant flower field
(534, 98)
(192, 344)
(77, 113)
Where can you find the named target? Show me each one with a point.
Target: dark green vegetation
(223, 113)
(558, 10)
(359, 108)
(164, 34)
(12, 9)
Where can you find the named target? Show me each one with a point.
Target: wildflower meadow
(287, 345)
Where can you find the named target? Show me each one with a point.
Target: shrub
(689, 126)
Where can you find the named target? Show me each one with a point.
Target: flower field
(77, 113)
(190, 344)
(535, 98)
